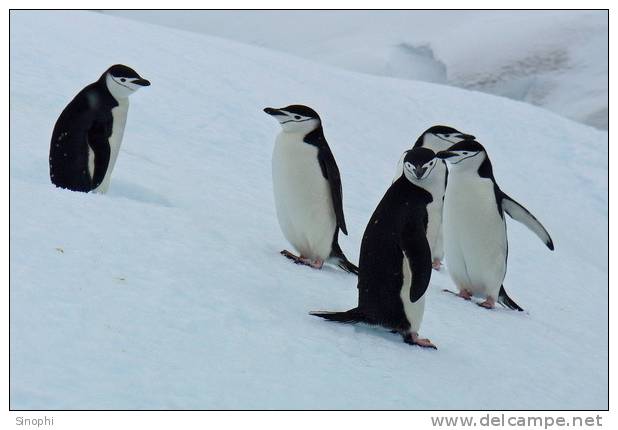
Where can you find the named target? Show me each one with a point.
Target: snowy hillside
(554, 59)
(169, 292)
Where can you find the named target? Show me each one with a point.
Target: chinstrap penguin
(87, 135)
(475, 235)
(437, 138)
(395, 259)
(307, 189)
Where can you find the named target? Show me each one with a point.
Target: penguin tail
(352, 316)
(506, 301)
(338, 258)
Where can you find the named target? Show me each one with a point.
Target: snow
(169, 291)
(554, 59)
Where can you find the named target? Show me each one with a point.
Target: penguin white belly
(474, 236)
(434, 211)
(414, 311)
(434, 229)
(119, 115)
(302, 197)
(90, 162)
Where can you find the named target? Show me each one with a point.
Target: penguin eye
(447, 135)
(297, 116)
(465, 153)
(122, 79)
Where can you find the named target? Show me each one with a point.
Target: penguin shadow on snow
(138, 193)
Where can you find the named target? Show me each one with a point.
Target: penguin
(307, 189)
(437, 138)
(475, 237)
(87, 135)
(395, 258)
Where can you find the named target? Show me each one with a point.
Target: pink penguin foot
(316, 264)
(436, 264)
(464, 294)
(489, 303)
(288, 254)
(413, 339)
(425, 343)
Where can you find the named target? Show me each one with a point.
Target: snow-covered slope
(169, 292)
(554, 59)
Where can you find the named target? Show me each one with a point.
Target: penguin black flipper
(522, 215)
(413, 242)
(331, 173)
(98, 141)
(68, 158)
(341, 259)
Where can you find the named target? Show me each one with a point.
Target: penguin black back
(80, 155)
(87, 118)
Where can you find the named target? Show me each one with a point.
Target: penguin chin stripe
(465, 158)
(294, 120)
(121, 84)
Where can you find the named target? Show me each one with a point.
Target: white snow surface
(554, 59)
(169, 292)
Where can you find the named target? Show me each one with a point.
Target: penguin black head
(440, 137)
(418, 163)
(296, 118)
(469, 150)
(122, 81)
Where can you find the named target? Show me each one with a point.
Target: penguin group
(443, 205)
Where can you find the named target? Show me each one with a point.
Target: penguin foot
(464, 294)
(316, 264)
(288, 254)
(413, 339)
(436, 264)
(489, 303)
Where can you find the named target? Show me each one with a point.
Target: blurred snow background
(554, 59)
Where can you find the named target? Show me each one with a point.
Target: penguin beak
(274, 112)
(443, 155)
(142, 82)
(419, 171)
